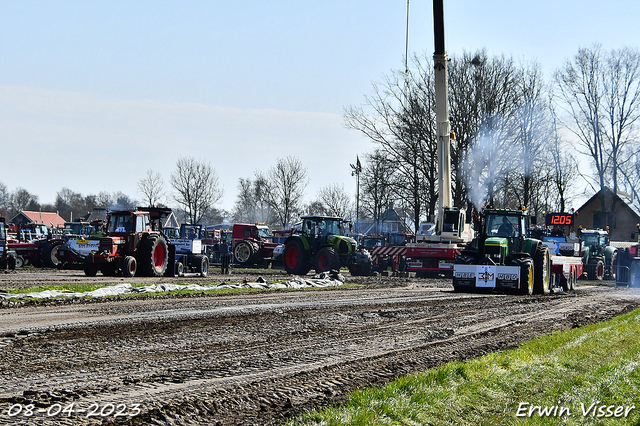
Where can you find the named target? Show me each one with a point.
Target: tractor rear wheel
(244, 252)
(296, 258)
(129, 266)
(542, 269)
(327, 259)
(153, 256)
(50, 254)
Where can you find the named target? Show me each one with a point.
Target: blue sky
(93, 94)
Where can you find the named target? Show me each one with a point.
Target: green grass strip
(574, 377)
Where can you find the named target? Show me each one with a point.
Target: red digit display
(563, 219)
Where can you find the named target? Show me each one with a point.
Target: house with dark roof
(47, 218)
(621, 213)
(391, 222)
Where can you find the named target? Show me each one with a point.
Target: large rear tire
(296, 258)
(50, 255)
(245, 252)
(153, 256)
(542, 269)
(327, 259)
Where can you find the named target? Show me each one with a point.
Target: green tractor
(503, 257)
(320, 244)
(598, 257)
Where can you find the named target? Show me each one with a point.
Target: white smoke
(480, 166)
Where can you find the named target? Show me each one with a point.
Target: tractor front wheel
(202, 264)
(612, 267)
(595, 271)
(327, 259)
(526, 276)
(296, 258)
(129, 266)
(90, 268)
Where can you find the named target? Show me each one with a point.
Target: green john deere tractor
(503, 256)
(321, 245)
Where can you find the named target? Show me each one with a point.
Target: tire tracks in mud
(262, 359)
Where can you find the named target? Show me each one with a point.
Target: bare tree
(21, 200)
(196, 186)
(489, 120)
(104, 200)
(70, 205)
(335, 201)
(5, 199)
(399, 119)
(580, 94)
(601, 94)
(251, 205)
(622, 104)
(151, 187)
(377, 185)
(284, 188)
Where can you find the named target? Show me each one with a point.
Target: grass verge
(575, 377)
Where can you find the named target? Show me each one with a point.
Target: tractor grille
(494, 253)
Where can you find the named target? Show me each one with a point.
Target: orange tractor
(134, 245)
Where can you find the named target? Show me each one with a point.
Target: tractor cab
(320, 227)
(503, 233)
(594, 240)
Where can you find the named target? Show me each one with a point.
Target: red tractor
(252, 244)
(134, 245)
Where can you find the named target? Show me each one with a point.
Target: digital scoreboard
(559, 219)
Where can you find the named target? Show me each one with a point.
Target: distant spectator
(224, 257)
(557, 232)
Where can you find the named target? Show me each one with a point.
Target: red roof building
(50, 219)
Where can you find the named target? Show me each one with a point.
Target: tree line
(516, 135)
(516, 142)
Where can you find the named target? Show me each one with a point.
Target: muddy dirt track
(256, 358)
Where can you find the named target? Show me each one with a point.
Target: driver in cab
(506, 229)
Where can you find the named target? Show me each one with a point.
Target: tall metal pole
(443, 128)
(357, 168)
